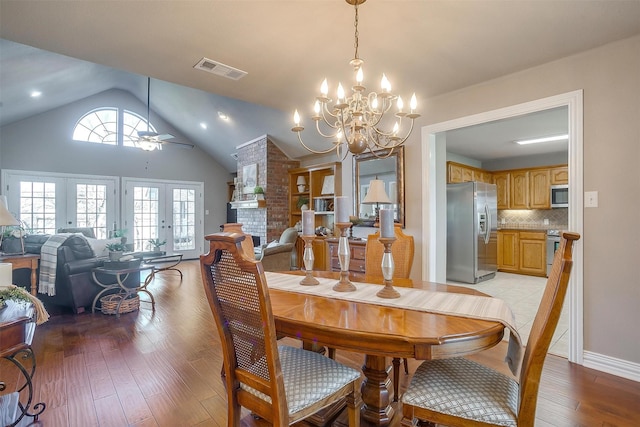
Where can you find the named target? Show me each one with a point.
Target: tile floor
(523, 294)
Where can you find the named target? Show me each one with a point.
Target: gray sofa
(280, 255)
(75, 288)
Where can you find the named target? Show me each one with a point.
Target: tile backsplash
(558, 218)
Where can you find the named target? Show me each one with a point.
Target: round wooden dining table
(380, 333)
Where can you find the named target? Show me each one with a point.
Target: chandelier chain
(355, 24)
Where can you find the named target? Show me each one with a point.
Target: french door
(45, 202)
(166, 210)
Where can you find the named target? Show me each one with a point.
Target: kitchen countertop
(532, 227)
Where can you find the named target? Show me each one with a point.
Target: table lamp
(301, 182)
(7, 219)
(376, 195)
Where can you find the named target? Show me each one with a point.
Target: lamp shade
(376, 193)
(301, 180)
(5, 216)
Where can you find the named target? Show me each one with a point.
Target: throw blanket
(471, 306)
(49, 263)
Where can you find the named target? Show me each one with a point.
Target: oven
(553, 242)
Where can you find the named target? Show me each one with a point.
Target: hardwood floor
(163, 369)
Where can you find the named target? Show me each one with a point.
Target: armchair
(278, 256)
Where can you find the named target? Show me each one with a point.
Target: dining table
(379, 332)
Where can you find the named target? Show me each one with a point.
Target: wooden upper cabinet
(519, 190)
(502, 182)
(459, 173)
(559, 175)
(539, 194)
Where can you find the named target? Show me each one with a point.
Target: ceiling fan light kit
(357, 121)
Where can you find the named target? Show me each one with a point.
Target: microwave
(560, 196)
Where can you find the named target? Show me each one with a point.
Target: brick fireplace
(272, 175)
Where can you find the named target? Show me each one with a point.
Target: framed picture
(249, 178)
(327, 185)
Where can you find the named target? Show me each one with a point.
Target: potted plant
(259, 192)
(116, 250)
(303, 203)
(13, 293)
(157, 244)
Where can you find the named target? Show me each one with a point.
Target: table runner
(449, 303)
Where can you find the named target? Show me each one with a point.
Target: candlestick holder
(344, 285)
(387, 269)
(308, 259)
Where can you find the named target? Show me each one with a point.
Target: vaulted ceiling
(70, 50)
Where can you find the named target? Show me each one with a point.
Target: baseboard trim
(611, 365)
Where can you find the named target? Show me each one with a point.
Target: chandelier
(358, 121)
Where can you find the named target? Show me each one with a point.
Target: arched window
(102, 126)
(132, 123)
(99, 126)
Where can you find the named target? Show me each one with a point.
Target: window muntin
(132, 123)
(102, 125)
(98, 126)
(91, 208)
(38, 206)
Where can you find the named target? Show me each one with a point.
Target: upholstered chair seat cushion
(464, 389)
(308, 377)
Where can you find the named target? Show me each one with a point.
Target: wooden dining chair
(460, 392)
(280, 384)
(402, 251)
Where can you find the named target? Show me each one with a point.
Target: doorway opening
(434, 197)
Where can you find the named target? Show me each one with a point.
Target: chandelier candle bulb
(341, 209)
(386, 223)
(308, 223)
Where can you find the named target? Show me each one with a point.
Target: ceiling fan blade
(164, 137)
(146, 134)
(180, 144)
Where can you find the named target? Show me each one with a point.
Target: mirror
(390, 170)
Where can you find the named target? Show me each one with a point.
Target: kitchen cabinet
(457, 172)
(508, 251)
(519, 181)
(357, 249)
(503, 189)
(539, 191)
(559, 175)
(532, 253)
(522, 252)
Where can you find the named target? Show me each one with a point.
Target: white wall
(44, 143)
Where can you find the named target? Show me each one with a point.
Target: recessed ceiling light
(36, 94)
(203, 125)
(545, 139)
(222, 115)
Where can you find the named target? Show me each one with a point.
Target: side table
(17, 327)
(120, 276)
(25, 261)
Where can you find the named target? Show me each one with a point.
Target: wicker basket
(110, 303)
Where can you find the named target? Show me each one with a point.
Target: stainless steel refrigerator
(472, 238)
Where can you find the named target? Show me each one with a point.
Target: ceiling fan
(149, 140)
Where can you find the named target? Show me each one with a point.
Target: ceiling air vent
(235, 156)
(220, 69)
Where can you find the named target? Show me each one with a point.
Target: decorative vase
(301, 188)
(304, 207)
(115, 255)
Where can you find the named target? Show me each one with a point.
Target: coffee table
(120, 276)
(167, 261)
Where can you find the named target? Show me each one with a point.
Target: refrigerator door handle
(487, 231)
